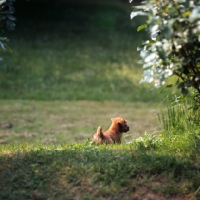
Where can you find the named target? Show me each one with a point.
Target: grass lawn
(45, 153)
(70, 121)
(83, 171)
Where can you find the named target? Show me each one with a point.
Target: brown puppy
(113, 134)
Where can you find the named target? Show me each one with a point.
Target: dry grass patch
(70, 121)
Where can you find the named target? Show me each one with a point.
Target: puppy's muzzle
(126, 128)
(123, 128)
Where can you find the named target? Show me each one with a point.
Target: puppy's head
(121, 123)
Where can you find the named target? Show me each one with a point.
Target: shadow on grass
(96, 172)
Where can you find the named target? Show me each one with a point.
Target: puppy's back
(99, 137)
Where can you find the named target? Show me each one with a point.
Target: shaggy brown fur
(113, 134)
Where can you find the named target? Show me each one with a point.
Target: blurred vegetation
(74, 51)
(173, 46)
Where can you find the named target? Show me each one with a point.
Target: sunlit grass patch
(69, 121)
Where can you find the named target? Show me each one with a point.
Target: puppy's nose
(127, 128)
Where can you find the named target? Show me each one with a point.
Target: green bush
(6, 19)
(173, 47)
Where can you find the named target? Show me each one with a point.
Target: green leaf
(195, 15)
(2, 1)
(2, 46)
(143, 26)
(138, 13)
(184, 91)
(8, 48)
(11, 17)
(169, 85)
(3, 38)
(10, 25)
(167, 31)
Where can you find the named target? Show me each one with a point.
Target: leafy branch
(6, 20)
(173, 47)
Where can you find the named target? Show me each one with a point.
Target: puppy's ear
(120, 126)
(113, 119)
